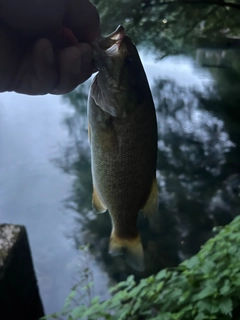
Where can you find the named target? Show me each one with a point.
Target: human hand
(39, 53)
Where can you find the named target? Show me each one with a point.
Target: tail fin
(131, 248)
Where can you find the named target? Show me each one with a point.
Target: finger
(9, 59)
(82, 18)
(45, 66)
(37, 73)
(75, 67)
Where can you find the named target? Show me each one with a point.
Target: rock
(19, 295)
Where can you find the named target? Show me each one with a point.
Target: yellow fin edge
(131, 248)
(150, 209)
(97, 203)
(151, 205)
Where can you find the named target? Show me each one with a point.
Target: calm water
(46, 183)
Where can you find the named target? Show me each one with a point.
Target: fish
(122, 131)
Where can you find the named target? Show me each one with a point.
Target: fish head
(121, 76)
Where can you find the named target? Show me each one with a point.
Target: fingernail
(49, 55)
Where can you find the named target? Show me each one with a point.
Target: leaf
(130, 279)
(78, 312)
(206, 292)
(191, 262)
(114, 303)
(124, 314)
(208, 267)
(226, 307)
(159, 286)
(95, 300)
(136, 306)
(120, 286)
(182, 314)
(226, 288)
(68, 300)
(161, 275)
(204, 306)
(163, 316)
(210, 306)
(200, 316)
(233, 249)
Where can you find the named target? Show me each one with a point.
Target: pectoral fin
(97, 203)
(150, 208)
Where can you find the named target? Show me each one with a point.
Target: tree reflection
(198, 185)
(173, 26)
(194, 147)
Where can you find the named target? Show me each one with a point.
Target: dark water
(45, 180)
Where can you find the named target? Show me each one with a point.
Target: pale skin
(45, 45)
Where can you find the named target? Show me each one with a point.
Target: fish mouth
(118, 34)
(110, 45)
(115, 38)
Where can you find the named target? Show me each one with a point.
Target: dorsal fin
(97, 203)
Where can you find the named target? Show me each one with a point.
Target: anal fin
(150, 209)
(97, 203)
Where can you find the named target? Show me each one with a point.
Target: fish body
(123, 140)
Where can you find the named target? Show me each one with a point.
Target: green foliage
(171, 26)
(204, 287)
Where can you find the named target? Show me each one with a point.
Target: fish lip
(109, 45)
(118, 34)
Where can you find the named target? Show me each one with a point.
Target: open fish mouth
(108, 57)
(112, 41)
(110, 45)
(118, 34)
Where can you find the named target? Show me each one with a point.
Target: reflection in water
(199, 185)
(170, 27)
(198, 157)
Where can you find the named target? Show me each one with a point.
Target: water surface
(45, 180)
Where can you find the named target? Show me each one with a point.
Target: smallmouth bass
(122, 132)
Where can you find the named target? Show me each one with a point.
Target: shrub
(207, 286)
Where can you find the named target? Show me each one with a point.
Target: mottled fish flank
(123, 140)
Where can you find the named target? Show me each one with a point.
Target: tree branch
(197, 22)
(210, 3)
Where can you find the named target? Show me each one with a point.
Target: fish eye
(128, 60)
